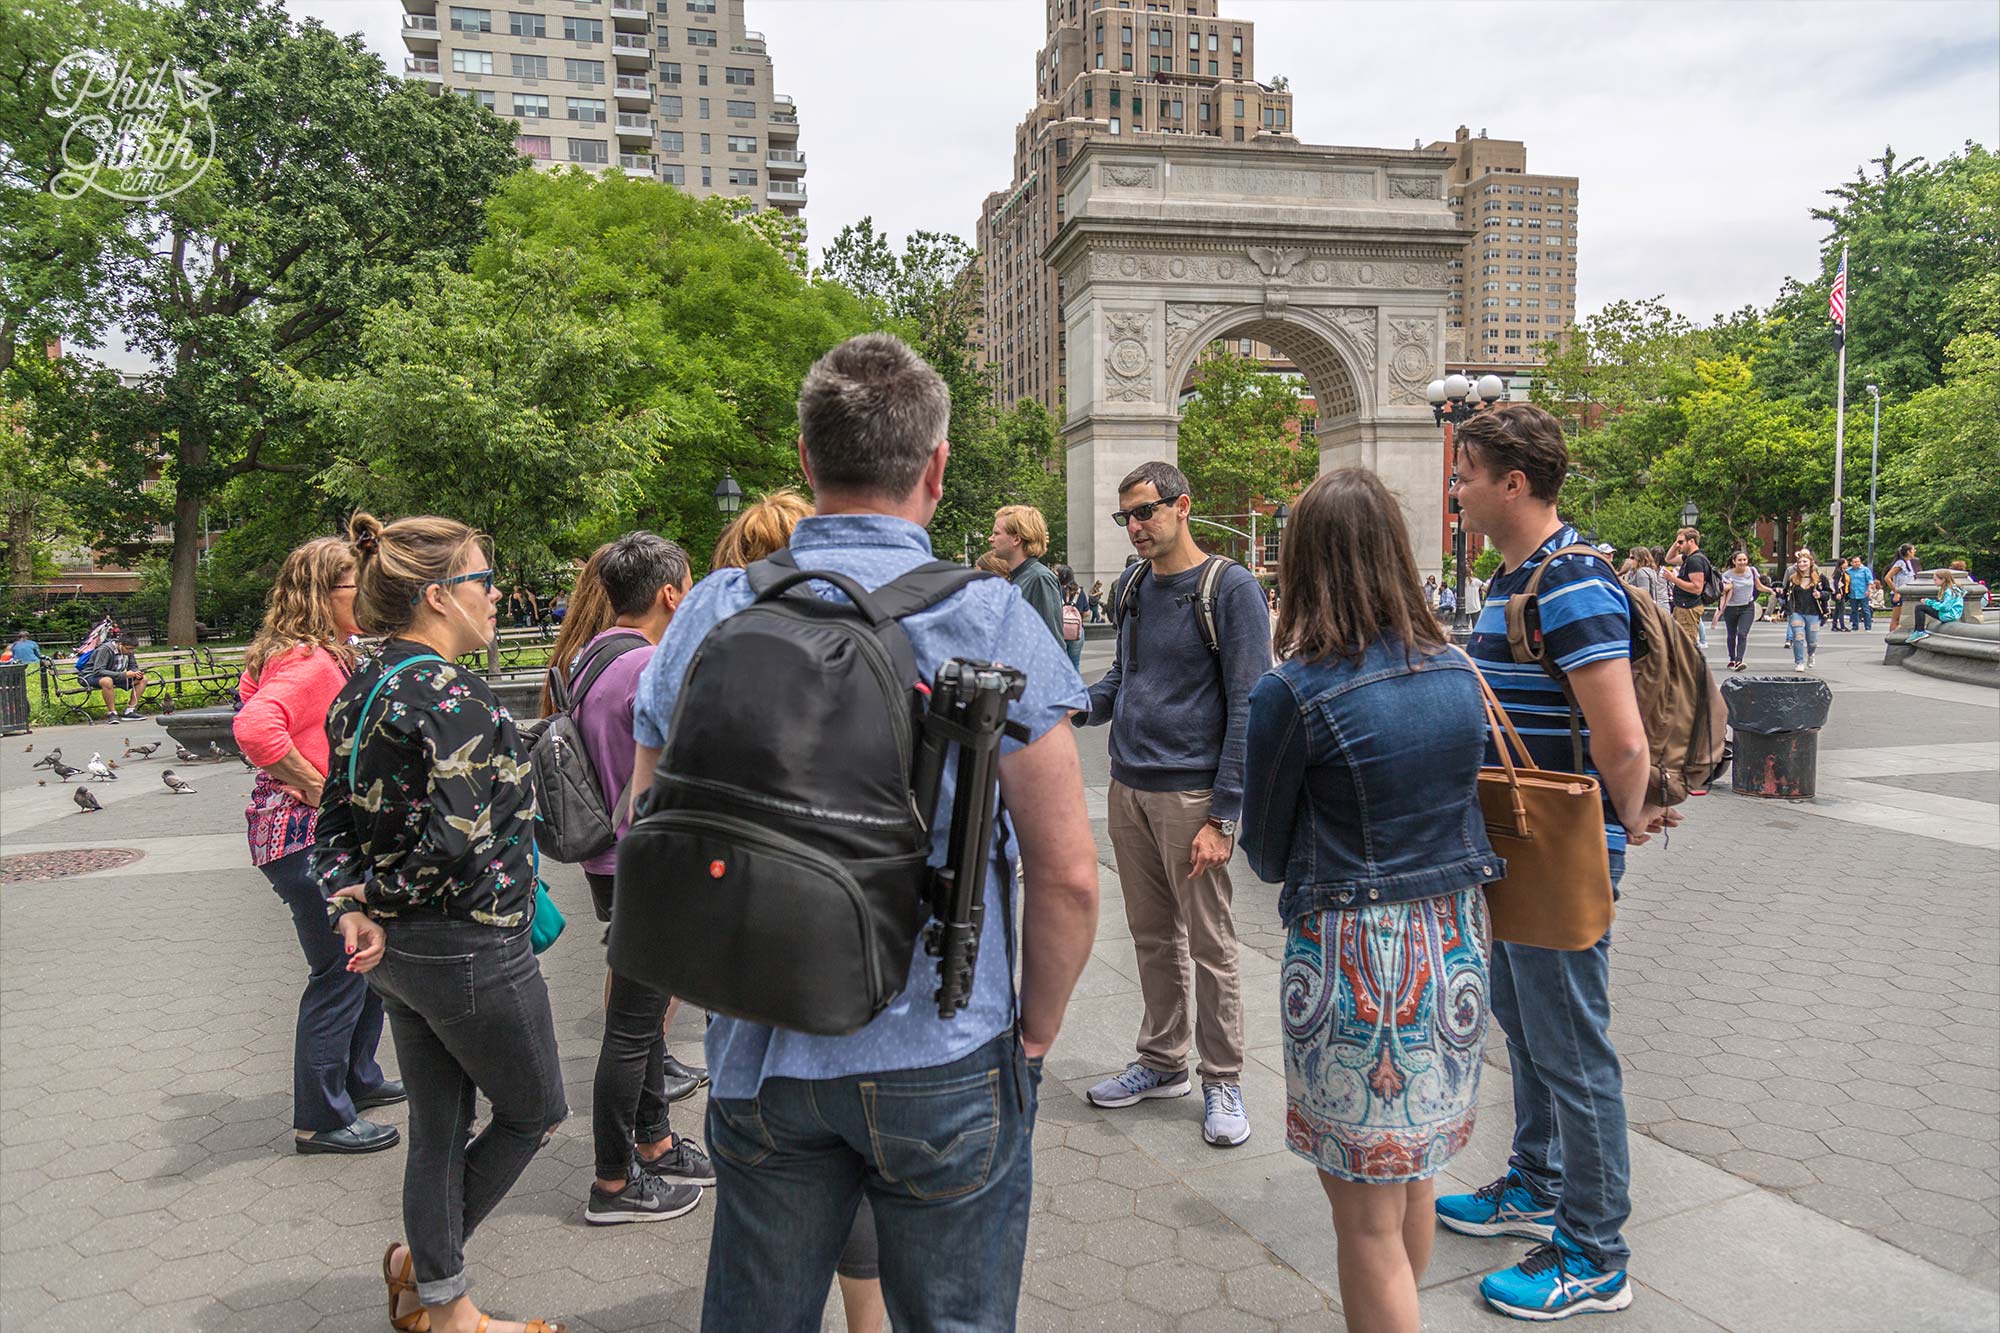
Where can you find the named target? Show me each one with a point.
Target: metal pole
(1840, 413)
(1874, 456)
(1255, 554)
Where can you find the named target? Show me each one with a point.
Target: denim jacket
(1361, 781)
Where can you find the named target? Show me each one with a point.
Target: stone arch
(1333, 357)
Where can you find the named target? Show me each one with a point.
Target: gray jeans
(470, 1013)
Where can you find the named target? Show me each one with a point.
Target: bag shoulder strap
(361, 717)
(924, 587)
(593, 664)
(1575, 548)
(1211, 579)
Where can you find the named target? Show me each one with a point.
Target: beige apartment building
(676, 90)
(1108, 67)
(1514, 287)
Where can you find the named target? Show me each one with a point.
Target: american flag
(1836, 302)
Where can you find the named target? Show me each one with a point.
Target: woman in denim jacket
(1361, 796)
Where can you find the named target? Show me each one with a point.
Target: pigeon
(174, 784)
(215, 751)
(101, 771)
(65, 772)
(143, 751)
(166, 703)
(84, 800)
(185, 755)
(29, 748)
(49, 760)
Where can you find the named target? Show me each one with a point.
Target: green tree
(1944, 490)
(1744, 456)
(1239, 436)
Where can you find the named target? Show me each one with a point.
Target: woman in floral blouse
(292, 671)
(428, 860)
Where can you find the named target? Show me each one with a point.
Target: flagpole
(1840, 416)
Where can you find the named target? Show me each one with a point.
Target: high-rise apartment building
(1112, 67)
(1514, 287)
(678, 90)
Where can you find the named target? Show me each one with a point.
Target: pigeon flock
(99, 769)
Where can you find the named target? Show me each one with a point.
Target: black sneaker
(682, 1164)
(645, 1198)
(683, 1081)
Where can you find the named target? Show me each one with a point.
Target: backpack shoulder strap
(924, 587)
(361, 717)
(594, 664)
(1211, 578)
(1575, 548)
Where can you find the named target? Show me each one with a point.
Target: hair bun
(364, 533)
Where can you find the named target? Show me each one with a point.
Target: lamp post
(1451, 400)
(1690, 514)
(1874, 457)
(728, 495)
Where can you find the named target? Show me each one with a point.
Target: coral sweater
(286, 706)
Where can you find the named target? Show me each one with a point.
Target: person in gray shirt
(1178, 702)
(1020, 537)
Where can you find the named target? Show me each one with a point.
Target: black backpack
(569, 801)
(777, 870)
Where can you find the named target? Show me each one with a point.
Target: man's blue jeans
(1569, 1092)
(945, 1157)
(1860, 614)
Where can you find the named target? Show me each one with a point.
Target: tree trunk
(21, 544)
(185, 564)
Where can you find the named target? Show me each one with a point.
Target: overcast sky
(1703, 133)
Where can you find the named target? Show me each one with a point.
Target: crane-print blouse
(441, 818)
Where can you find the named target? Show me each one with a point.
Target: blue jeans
(1569, 1092)
(1859, 614)
(944, 1156)
(340, 1017)
(1074, 647)
(1804, 637)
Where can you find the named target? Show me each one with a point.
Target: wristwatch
(1226, 827)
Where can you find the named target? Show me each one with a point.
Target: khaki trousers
(1176, 923)
(1689, 619)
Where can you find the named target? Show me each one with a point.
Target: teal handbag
(547, 925)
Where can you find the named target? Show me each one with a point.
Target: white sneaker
(1223, 1121)
(1812, 661)
(1798, 666)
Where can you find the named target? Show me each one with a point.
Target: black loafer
(363, 1136)
(389, 1094)
(683, 1081)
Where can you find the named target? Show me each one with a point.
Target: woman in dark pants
(425, 847)
(292, 671)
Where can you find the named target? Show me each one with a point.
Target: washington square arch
(1338, 258)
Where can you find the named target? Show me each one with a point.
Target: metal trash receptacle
(1776, 720)
(16, 714)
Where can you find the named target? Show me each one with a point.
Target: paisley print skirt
(1385, 1021)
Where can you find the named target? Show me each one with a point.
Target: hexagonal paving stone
(1130, 1241)
(1074, 1281)
(1272, 1292)
(1173, 1287)
(1091, 1201)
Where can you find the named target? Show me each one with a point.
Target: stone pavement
(1805, 998)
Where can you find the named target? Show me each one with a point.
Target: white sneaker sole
(1181, 1089)
(1524, 1230)
(619, 1219)
(1214, 1142)
(1595, 1305)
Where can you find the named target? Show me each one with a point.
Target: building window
(670, 73)
(588, 150)
(703, 108)
(1194, 41)
(742, 143)
(583, 71)
(701, 6)
(673, 141)
(742, 78)
(1125, 62)
(1236, 46)
(742, 176)
(478, 96)
(1116, 128)
(670, 106)
(707, 177)
(701, 37)
(1239, 108)
(531, 106)
(589, 110)
(1125, 36)
(531, 67)
(1214, 71)
(527, 25)
(471, 20)
(704, 145)
(584, 30)
(1086, 99)
(673, 173)
(1204, 113)
(1213, 42)
(472, 62)
(1115, 95)
(741, 110)
(533, 145)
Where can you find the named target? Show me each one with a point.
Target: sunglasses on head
(483, 577)
(1144, 513)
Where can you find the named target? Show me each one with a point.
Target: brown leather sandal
(533, 1326)
(417, 1320)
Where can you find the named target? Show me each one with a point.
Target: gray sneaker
(1138, 1083)
(1223, 1122)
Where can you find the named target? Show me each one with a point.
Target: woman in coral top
(292, 671)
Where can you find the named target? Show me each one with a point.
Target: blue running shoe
(1504, 1208)
(1554, 1282)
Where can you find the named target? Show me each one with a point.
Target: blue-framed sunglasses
(484, 578)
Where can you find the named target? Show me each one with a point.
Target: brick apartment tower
(676, 90)
(1515, 286)
(1108, 67)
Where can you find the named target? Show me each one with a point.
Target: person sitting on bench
(113, 667)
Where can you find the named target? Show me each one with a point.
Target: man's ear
(934, 470)
(805, 464)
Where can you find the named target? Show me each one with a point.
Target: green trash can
(15, 714)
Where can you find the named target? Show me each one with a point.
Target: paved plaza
(1807, 1002)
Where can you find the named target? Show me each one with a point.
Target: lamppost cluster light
(1455, 400)
(728, 495)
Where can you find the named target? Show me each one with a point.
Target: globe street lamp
(1451, 400)
(728, 495)
(1690, 514)
(1874, 457)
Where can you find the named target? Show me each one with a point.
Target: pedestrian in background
(1738, 608)
(24, 650)
(1075, 609)
(1903, 571)
(428, 856)
(1020, 537)
(1808, 595)
(1947, 608)
(1097, 601)
(1855, 581)
(590, 614)
(1690, 578)
(1361, 797)
(1644, 577)
(293, 668)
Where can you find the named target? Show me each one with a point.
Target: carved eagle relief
(1275, 263)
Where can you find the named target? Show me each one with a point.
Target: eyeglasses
(1144, 513)
(338, 586)
(483, 577)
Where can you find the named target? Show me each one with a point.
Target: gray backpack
(569, 802)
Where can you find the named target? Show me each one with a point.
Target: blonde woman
(427, 854)
(1808, 594)
(291, 673)
(764, 527)
(1643, 574)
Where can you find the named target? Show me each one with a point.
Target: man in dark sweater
(1020, 537)
(1178, 711)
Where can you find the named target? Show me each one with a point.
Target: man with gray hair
(930, 1118)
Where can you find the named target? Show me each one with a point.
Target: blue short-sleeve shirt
(989, 620)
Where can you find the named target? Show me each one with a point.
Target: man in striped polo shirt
(1567, 1180)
